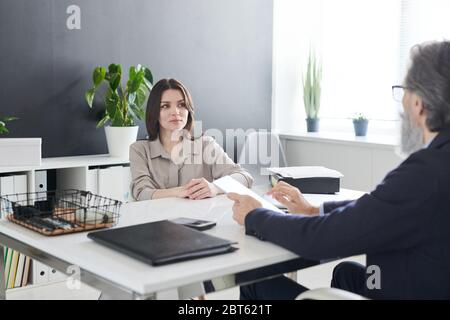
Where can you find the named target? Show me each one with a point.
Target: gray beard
(411, 136)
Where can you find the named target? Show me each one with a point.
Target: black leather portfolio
(162, 242)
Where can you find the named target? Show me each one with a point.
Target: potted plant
(123, 105)
(3, 121)
(360, 124)
(312, 91)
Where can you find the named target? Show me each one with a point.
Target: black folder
(162, 242)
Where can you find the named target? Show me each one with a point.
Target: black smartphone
(195, 223)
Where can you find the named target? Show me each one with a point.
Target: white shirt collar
(428, 144)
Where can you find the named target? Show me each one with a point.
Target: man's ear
(418, 112)
(419, 105)
(418, 109)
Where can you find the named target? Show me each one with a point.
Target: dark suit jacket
(403, 226)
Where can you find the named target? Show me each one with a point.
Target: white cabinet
(40, 273)
(20, 151)
(40, 181)
(110, 182)
(364, 165)
(99, 174)
(6, 185)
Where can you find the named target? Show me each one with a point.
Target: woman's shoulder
(201, 144)
(140, 144)
(206, 141)
(198, 139)
(142, 147)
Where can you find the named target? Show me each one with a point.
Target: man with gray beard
(403, 226)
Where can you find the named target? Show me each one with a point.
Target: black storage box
(315, 185)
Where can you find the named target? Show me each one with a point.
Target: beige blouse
(153, 168)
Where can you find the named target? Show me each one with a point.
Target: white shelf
(71, 173)
(53, 291)
(371, 140)
(69, 162)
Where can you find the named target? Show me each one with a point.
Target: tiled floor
(316, 277)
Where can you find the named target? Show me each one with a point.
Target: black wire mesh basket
(60, 212)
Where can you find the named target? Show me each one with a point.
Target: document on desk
(227, 184)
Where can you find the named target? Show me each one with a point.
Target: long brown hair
(154, 106)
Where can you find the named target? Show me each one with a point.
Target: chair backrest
(329, 294)
(261, 150)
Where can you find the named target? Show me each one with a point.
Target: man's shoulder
(419, 172)
(430, 160)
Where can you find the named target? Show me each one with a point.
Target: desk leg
(2, 274)
(191, 291)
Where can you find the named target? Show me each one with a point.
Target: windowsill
(371, 140)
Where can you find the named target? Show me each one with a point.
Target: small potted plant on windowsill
(360, 124)
(312, 92)
(124, 105)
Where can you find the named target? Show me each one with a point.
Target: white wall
(363, 167)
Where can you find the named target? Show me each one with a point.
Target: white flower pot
(119, 140)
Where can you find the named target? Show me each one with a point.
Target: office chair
(261, 150)
(329, 294)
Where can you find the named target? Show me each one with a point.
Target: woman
(171, 163)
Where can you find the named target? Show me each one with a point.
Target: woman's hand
(181, 192)
(293, 199)
(198, 189)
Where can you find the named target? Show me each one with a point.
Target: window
(360, 60)
(364, 46)
(422, 20)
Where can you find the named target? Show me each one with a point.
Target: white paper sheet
(274, 202)
(227, 184)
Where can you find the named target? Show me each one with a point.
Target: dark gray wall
(220, 49)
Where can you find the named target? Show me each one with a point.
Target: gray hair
(429, 77)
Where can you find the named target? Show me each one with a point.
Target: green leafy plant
(312, 86)
(123, 106)
(3, 122)
(360, 117)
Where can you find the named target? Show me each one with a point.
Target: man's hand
(293, 199)
(243, 205)
(198, 189)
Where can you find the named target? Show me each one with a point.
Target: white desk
(117, 273)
